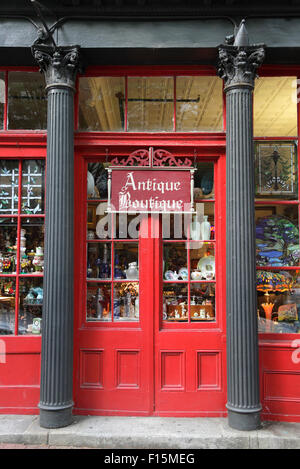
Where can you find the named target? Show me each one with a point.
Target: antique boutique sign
(150, 190)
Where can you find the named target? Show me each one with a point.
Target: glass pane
(199, 104)
(202, 302)
(8, 245)
(33, 186)
(126, 301)
(202, 226)
(278, 297)
(175, 261)
(98, 302)
(202, 259)
(175, 302)
(204, 181)
(9, 186)
(7, 306)
(275, 107)
(99, 260)
(32, 246)
(150, 104)
(27, 101)
(277, 235)
(102, 103)
(126, 261)
(2, 99)
(97, 181)
(276, 173)
(31, 306)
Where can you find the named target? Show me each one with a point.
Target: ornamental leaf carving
(238, 65)
(59, 65)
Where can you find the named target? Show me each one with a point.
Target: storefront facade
(149, 312)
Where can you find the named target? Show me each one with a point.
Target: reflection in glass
(2, 99)
(175, 261)
(175, 302)
(33, 186)
(202, 259)
(8, 245)
(9, 186)
(199, 104)
(27, 101)
(32, 246)
(202, 305)
(7, 306)
(101, 103)
(278, 301)
(97, 181)
(126, 261)
(31, 306)
(275, 107)
(98, 302)
(277, 235)
(150, 104)
(126, 301)
(99, 260)
(204, 181)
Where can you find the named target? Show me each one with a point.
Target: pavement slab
(24, 432)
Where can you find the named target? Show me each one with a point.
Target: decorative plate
(206, 265)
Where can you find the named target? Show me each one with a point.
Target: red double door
(167, 355)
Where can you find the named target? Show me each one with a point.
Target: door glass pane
(126, 301)
(32, 246)
(202, 302)
(7, 306)
(98, 302)
(102, 103)
(33, 186)
(31, 306)
(126, 261)
(175, 302)
(175, 261)
(27, 101)
(199, 104)
(150, 104)
(99, 261)
(8, 245)
(275, 107)
(9, 186)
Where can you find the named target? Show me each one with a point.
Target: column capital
(59, 65)
(237, 65)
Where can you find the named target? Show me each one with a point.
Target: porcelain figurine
(38, 260)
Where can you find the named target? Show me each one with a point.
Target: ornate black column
(59, 66)
(237, 66)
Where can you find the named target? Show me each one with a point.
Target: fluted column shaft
(237, 67)
(57, 333)
(242, 338)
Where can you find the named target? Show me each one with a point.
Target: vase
(205, 228)
(195, 230)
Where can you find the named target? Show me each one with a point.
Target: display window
(277, 205)
(22, 195)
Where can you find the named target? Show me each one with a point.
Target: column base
(56, 418)
(245, 421)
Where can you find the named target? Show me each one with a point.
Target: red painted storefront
(147, 367)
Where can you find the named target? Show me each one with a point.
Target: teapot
(132, 273)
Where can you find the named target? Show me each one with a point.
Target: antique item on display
(205, 228)
(183, 273)
(132, 273)
(36, 326)
(277, 242)
(38, 260)
(196, 275)
(288, 312)
(206, 266)
(90, 186)
(195, 229)
(90, 234)
(170, 275)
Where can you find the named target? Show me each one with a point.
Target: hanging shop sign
(148, 190)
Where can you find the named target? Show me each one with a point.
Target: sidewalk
(148, 433)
